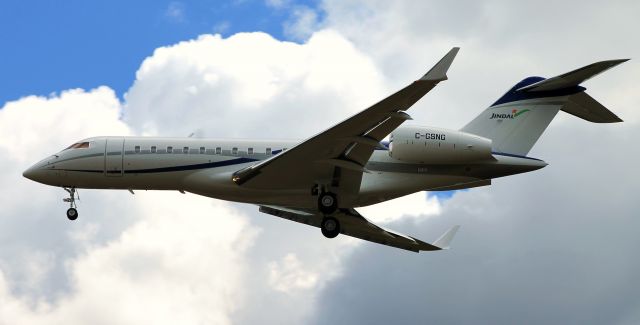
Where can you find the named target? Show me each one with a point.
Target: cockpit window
(79, 145)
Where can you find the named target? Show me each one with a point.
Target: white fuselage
(205, 167)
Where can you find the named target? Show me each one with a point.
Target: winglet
(446, 238)
(439, 71)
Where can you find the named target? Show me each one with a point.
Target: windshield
(78, 145)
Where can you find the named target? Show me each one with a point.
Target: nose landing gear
(72, 212)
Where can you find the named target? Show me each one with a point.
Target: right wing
(337, 156)
(355, 225)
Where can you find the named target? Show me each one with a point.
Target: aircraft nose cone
(30, 173)
(35, 173)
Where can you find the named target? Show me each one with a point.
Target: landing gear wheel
(330, 227)
(72, 214)
(327, 203)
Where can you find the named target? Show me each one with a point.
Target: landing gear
(327, 203)
(330, 227)
(72, 213)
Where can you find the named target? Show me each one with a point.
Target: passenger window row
(203, 150)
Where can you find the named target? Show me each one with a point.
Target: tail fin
(516, 121)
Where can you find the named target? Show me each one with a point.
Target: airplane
(321, 180)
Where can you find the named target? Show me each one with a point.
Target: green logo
(514, 113)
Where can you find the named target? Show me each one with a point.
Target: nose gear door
(113, 155)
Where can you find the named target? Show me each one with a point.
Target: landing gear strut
(72, 212)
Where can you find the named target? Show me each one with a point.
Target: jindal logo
(514, 113)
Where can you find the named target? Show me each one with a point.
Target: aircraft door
(113, 155)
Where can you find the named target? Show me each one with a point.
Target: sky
(53, 45)
(554, 246)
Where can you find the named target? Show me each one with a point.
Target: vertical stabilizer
(516, 120)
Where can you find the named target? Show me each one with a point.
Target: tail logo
(514, 113)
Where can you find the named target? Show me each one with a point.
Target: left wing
(355, 225)
(342, 151)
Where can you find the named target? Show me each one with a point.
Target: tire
(330, 227)
(72, 214)
(327, 203)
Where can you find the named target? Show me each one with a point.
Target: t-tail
(515, 121)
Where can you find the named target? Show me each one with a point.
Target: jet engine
(429, 145)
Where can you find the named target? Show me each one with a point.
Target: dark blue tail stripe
(514, 95)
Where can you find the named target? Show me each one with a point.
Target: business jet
(321, 180)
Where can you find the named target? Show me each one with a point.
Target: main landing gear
(328, 204)
(330, 227)
(72, 212)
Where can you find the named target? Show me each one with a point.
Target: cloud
(278, 4)
(142, 252)
(555, 239)
(82, 113)
(412, 205)
(501, 43)
(157, 271)
(221, 27)
(289, 275)
(560, 239)
(176, 12)
(250, 85)
(303, 23)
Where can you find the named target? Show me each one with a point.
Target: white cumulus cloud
(166, 257)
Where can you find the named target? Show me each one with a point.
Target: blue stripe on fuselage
(223, 163)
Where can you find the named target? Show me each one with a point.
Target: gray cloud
(556, 246)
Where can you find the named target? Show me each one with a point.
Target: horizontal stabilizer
(573, 78)
(585, 107)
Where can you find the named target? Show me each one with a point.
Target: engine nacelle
(429, 145)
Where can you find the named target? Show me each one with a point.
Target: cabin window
(250, 151)
(185, 150)
(268, 151)
(153, 149)
(218, 150)
(202, 150)
(136, 149)
(284, 149)
(169, 149)
(234, 151)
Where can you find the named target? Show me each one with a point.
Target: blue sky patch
(49, 46)
(443, 195)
